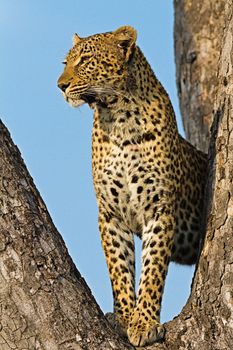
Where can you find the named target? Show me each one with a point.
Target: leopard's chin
(75, 103)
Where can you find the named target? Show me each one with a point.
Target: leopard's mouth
(89, 98)
(77, 101)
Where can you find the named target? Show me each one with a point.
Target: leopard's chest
(118, 178)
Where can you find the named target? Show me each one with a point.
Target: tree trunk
(199, 27)
(46, 304)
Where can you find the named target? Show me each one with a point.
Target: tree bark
(46, 304)
(199, 27)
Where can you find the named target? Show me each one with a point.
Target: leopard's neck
(142, 107)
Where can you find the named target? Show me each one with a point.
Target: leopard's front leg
(118, 245)
(144, 326)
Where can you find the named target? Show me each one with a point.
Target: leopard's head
(97, 67)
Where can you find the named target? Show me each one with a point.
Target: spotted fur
(148, 180)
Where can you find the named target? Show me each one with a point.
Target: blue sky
(54, 139)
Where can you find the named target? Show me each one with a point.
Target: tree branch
(45, 303)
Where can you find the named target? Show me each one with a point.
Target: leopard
(149, 181)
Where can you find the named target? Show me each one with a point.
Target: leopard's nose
(63, 86)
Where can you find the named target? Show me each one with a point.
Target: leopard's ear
(125, 37)
(76, 39)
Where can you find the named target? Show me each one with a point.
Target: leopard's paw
(142, 331)
(117, 324)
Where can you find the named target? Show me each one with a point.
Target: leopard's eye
(64, 62)
(84, 58)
